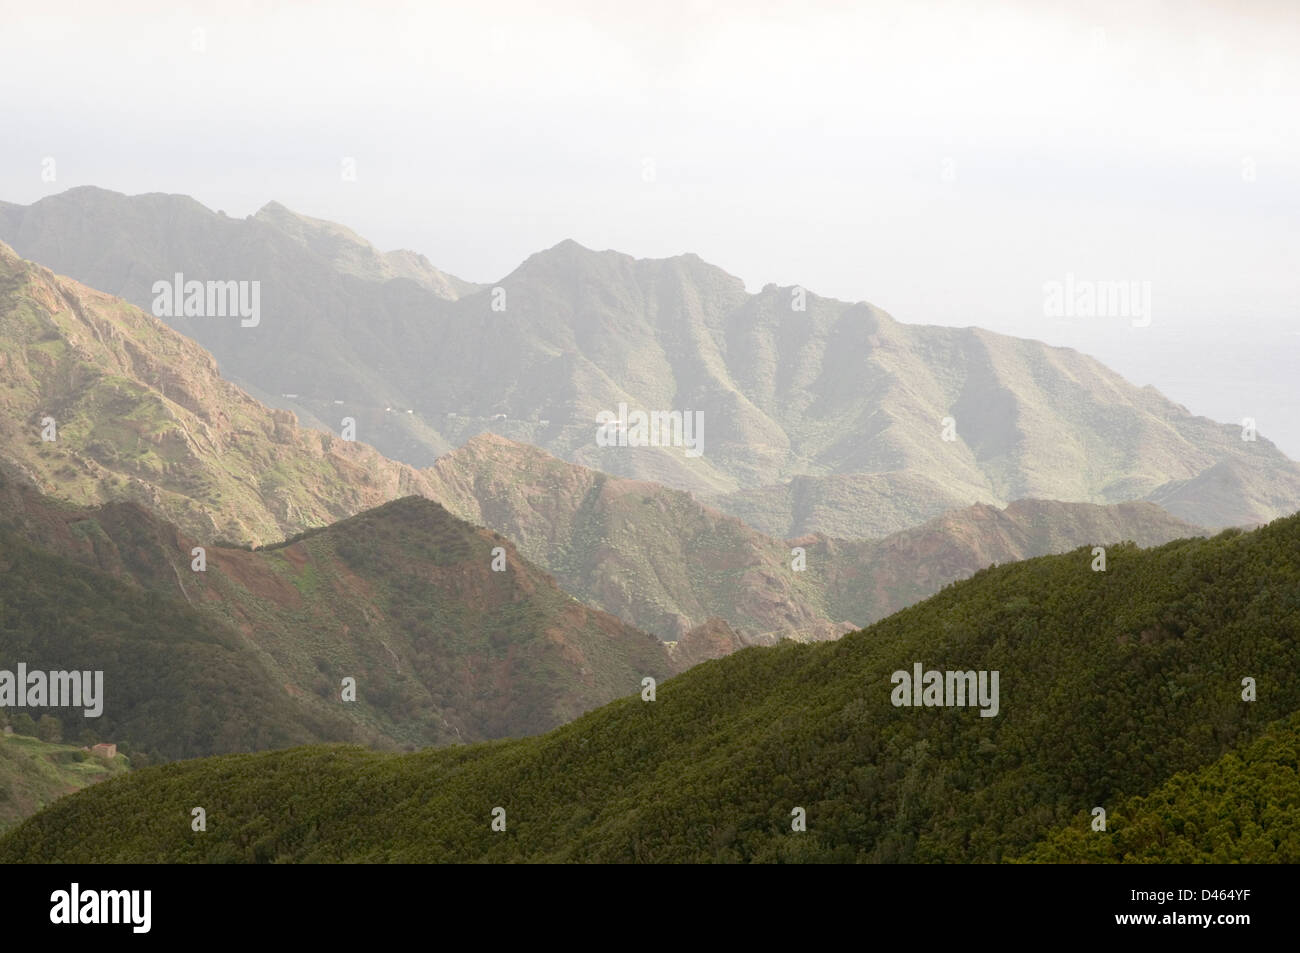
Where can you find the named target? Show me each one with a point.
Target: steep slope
(644, 552)
(404, 599)
(142, 416)
(444, 646)
(1225, 494)
(177, 682)
(140, 413)
(712, 639)
(665, 562)
(351, 254)
(818, 415)
(1110, 684)
(335, 325)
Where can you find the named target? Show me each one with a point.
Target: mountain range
(818, 415)
(142, 415)
(382, 514)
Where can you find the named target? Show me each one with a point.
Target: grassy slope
(34, 773)
(642, 551)
(1111, 683)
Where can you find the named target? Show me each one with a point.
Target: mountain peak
(304, 227)
(568, 251)
(569, 246)
(84, 190)
(569, 257)
(274, 210)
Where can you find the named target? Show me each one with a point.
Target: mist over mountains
(143, 417)
(827, 419)
(141, 413)
(685, 433)
(482, 565)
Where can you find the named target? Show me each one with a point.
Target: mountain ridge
(1113, 683)
(827, 419)
(669, 563)
(143, 415)
(449, 634)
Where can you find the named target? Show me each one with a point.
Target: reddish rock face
(713, 639)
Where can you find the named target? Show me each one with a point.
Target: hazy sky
(941, 160)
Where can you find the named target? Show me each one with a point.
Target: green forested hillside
(251, 653)
(177, 682)
(1110, 683)
(1242, 809)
